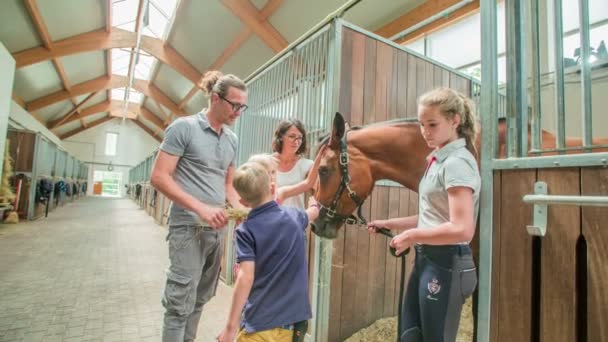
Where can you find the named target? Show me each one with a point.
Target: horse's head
(345, 180)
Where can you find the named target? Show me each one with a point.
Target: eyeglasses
(236, 107)
(295, 137)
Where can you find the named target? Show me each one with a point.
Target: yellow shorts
(272, 335)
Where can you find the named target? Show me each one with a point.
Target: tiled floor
(92, 271)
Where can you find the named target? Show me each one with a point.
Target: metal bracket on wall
(541, 200)
(539, 226)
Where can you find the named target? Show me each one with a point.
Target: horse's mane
(324, 139)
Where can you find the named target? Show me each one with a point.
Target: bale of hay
(385, 329)
(12, 217)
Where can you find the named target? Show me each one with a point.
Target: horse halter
(330, 212)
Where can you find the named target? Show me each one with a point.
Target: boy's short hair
(252, 182)
(268, 161)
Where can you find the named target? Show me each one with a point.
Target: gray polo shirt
(205, 158)
(453, 166)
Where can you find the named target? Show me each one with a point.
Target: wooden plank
(595, 183)
(402, 85)
(346, 64)
(458, 83)
(429, 75)
(337, 274)
(391, 293)
(348, 324)
(421, 86)
(369, 88)
(384, 64)
(379, 285)
(412, 86)
(358, 78)
(515, 293)
(378, 245)
(372, 282)
(558, 258)
(349, 277)
(361, 287)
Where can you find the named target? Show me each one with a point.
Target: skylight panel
(157, 21)
(123, 12)
(118, 94)
(166, 7)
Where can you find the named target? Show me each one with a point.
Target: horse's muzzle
(326, 228)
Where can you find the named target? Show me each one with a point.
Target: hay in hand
(237, 214)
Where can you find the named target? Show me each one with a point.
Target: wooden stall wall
(377, 83)
(550, 288)
(21, 151)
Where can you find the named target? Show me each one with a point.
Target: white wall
(134, 145)
(599, 103)
(7, 70)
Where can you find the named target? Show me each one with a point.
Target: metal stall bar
(541, 200)
(324, 247)
(594, 201)
(585, 53)
(560, 106)
(489, 108)
(517, 106)
(536, 114)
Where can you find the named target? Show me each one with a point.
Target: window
(111, 143)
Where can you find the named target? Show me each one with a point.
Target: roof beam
(148, 115)
(82, 129)
(43, 32)
(168, 117)
(32, 9)
(55, 123)
(147, 130)
(251, 17)
(102, 40)
(459, 14)
(116, 108)
(270, 7)
(103, 83)
(418, 14)
(108, 15)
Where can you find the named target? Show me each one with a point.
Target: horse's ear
(337, 131)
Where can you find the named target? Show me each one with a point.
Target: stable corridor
(92, 271)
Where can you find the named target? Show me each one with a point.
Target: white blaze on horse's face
(437, 129)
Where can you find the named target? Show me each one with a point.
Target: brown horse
(356, 159)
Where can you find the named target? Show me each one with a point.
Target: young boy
(271, 291)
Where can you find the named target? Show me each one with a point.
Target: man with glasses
(194, 169)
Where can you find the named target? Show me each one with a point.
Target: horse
(355, 159)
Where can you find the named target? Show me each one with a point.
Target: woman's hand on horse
(401, 242)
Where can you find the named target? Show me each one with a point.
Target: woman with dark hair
(289, 146)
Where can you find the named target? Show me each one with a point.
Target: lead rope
(387, 232)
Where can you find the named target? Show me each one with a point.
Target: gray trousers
(195, 254)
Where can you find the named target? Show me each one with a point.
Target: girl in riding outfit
(444, 273)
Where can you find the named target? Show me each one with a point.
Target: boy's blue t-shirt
(274, 238)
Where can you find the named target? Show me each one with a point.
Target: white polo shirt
(452, 165)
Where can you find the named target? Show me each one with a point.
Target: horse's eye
(323, 171)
